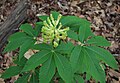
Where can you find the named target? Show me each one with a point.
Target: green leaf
(104, 55)
(23, 79)
(47, 71)
(17, 36)
(55, 14)
(79, 79)
(13, 45)
(34, 78)
(88, 76)
(63, 67)
(84, 33)
(81, 61)
(38, 27)
(72, 35)
(63, 48)
(74, 22)
(25, 47)
(12, 71)
(43, 17)
(41, 46)
(20, 62)
(93, 65)
(99, 41)
(35, 60)
(27, 28)
(74, 59)
(16, 41)
(37, 72)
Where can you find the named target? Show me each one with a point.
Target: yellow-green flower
(52, 30)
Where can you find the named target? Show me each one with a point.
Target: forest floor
(104, 16)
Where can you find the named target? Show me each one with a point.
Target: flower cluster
(52, 30)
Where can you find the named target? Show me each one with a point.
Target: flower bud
(55, 44)
(49, 21)
(53, 21)
(60, 25)
(45, 24)
(58, 19)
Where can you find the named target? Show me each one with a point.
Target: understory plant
(65, 49)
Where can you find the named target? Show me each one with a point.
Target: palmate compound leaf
(93, 67)
(89, 64)
(25, 47)
(103, 55)
(74, 22)
(47, 70)
(27, 28)
(74, 59)
(15, 41)
(99, 41)
(23, 79)
(12, 71)
(63, 67)
(36, 59)
(84, 32)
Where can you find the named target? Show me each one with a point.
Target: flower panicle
(52, 30)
